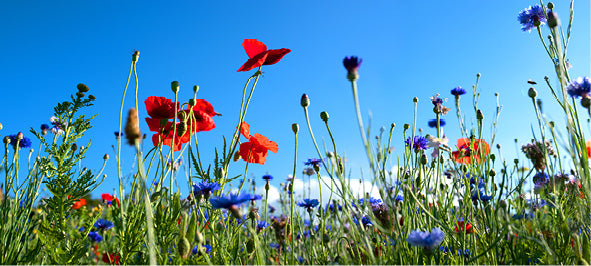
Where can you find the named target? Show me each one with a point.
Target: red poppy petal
(159, 107)
(153, 123)
(275, 56)
(252, 153)
(266, 143)
(244, 129)
(203, 122)
(204, 106)
(254, 62)
(253, 47)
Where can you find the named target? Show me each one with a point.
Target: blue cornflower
(332, 207)
(433, 123)
(523, 215)
(94, 236)
(261, 225)
(118, 134)
(81, 229)
(531, 16)
(399, 198)
(419, 143)
(103, 224)
(205, 188)
(44, 128)
(274, 245)
(308, 203)
(483, 197)
(579, 87)
(58, 126)
(457, 91)
(204, 246)
(541, 178)
(425, 239)
(313, 162)
(301, 259)
(352, 64)
(268, 177)
(230, 200)
(23, 143)
(366, 221)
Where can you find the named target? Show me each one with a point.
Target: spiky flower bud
(424, 159)
(175, 86)
(132, 127)
(295, 128)
(236, 156)
(82, 87)
(550, 5)
(305, 101)
(74, 147)
(192, 102)
(492, 173)
(324, 116)
(406, 126)
(181, 129)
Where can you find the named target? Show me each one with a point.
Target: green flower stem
(366, 144)
(290, 188)
(149, 212)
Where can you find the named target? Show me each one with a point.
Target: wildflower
(438, 107)
(202, 118)
(58, 126)
(580, 87)
(309, 204)
(309, 171)
(159, 109)
(78, 204)
(103, 224)
(433, 123)
(366, 221)
(457, 91)
(231, 202)
(118, 134)
(480, 195)
(44, 128)
(541, 178)
(464, 152)
(274, 245)
(259, 55)
(206, 248)
(111, 258)
(531, 17)
(352, 64)
(261, 225)
(255, 150)
(205, 188)
(419, 143)
(535, 152)
(95, 237)
(464, 227)
(425, 239)
(332, 207)
(23, 142)
(313, 162)
(588, 148)
(436, 143)
(268, 177)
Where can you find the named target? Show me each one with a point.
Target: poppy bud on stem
(175, 86)
(305, 101)
(324, 116)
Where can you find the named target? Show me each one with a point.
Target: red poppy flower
(259, 55)
(78, 204)
(464, 227)
(257, 147)
(203, 113)
(464, 152)
(166, 137)
(159, 109)
(111, 258)
(107, 197)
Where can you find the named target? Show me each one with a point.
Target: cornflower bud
(324, 116)
(586, 102)
(175, 86)
(553, 20)
(192, 102)
(415, 99)
(74, 147)
(91, 97)
(79, 94)
(305, 101)
(492, 173)
(406, 126)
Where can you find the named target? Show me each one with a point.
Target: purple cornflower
(229, 201)
(44, 128)
(419, 143)
(308, 203)
(352, 64)
(457, 91)
(23, 143)
(268, 177)
(118, 134)
(313, 162)
(433, 123)
(95, 237)
(579, 87)
(103, 224)
(531, 17)
(205, 188)
(425, 239)
(438, 107)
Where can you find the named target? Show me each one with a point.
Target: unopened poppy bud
(393, 125)
(478, 75)
(135, 56)
(551, 124)
(479, 115)
(192, 102)
(493, 157)
(415, 99)
(175, 86)
(492, 173)
(305, 101)
(106, 157)
(295, 128)
(550, 5)
(181, 129)
(74, 147)
(532, 93)
(132, 127)
(82, 87)
(236, 156)
(91, 97)
(516, 161)
(424, 159)
(553, 20)
(324, 116)
(586, 101)
(195, 89)
(6, 140)
(406, 126)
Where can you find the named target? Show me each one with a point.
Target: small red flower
(259, 55)
(464, 227)
(166, 137)
(78, 204)
(255, 150)
(203, 113)
(111, 258)
(464, 152)
(107, 197)
(159, 109)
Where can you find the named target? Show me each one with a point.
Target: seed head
(132, 127)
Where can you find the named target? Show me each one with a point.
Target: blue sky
(409, 48)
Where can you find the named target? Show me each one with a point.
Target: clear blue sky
(409, 48)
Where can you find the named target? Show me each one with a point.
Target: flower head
(580, 87)
(308, 203)
(313, 162)
(419, 143)
(531, 17)
(464, 227)
(537, 152)
(438, 107)
(464, 152)
(433, 123)
(268, 177)
(259, 55)
(229, 200)
(352, 64)
(95, 237)
(425, 239)
(111, 258)
(457, 91)
(255, 150)
(103, 224)
(205, 188)
(58, 125)
(78, 204)
(23, 142)
(436, 143)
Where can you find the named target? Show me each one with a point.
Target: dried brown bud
(132, 127)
